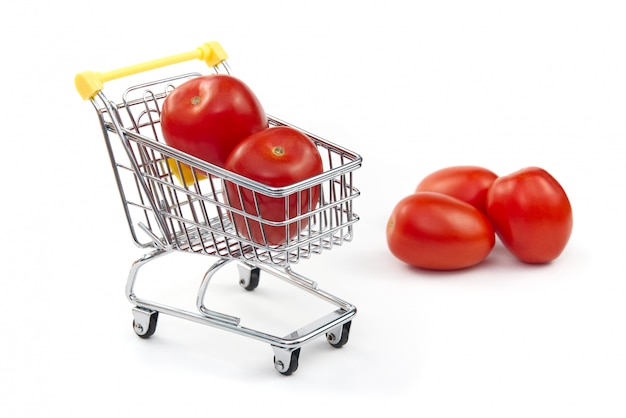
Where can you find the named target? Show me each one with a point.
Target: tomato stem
(278, 150)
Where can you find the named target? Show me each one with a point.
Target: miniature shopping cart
(171, 207)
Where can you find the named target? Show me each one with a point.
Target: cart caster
(249, 276)
(338, 337)
(144, 322)
(286, 361)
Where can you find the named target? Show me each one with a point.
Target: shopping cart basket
(170, 207)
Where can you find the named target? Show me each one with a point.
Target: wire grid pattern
(197, 215)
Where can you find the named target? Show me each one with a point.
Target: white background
(411, 86)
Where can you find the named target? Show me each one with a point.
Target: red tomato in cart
(467, 183)
(438, 232)
(208, 116)
(531, 214)
(275, 157)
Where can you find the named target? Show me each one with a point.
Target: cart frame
(176, 202)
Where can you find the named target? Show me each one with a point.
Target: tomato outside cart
(175, 202)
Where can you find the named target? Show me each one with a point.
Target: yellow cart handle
(89, 83)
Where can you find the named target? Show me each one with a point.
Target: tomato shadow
(444, 274)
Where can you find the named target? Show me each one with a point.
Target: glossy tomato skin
(467, 183)
(531, 214)
(438, 232)
(208, 116)
(276, 157)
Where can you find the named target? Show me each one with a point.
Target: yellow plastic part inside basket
(89, 83)
(187, 174)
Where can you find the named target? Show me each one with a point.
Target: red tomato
(467, 183)
(276, 157)
(208, 116)
(531, 214)
(438, 232)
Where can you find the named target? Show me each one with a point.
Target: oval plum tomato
(275, 157)
(438, 232)
(467, 183)
(208, 116)
(531, 214)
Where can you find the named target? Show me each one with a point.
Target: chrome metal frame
(167, 215)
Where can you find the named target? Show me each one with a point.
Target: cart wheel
(145, 322)
(338, 337)
(289, 363)
(249, 277)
